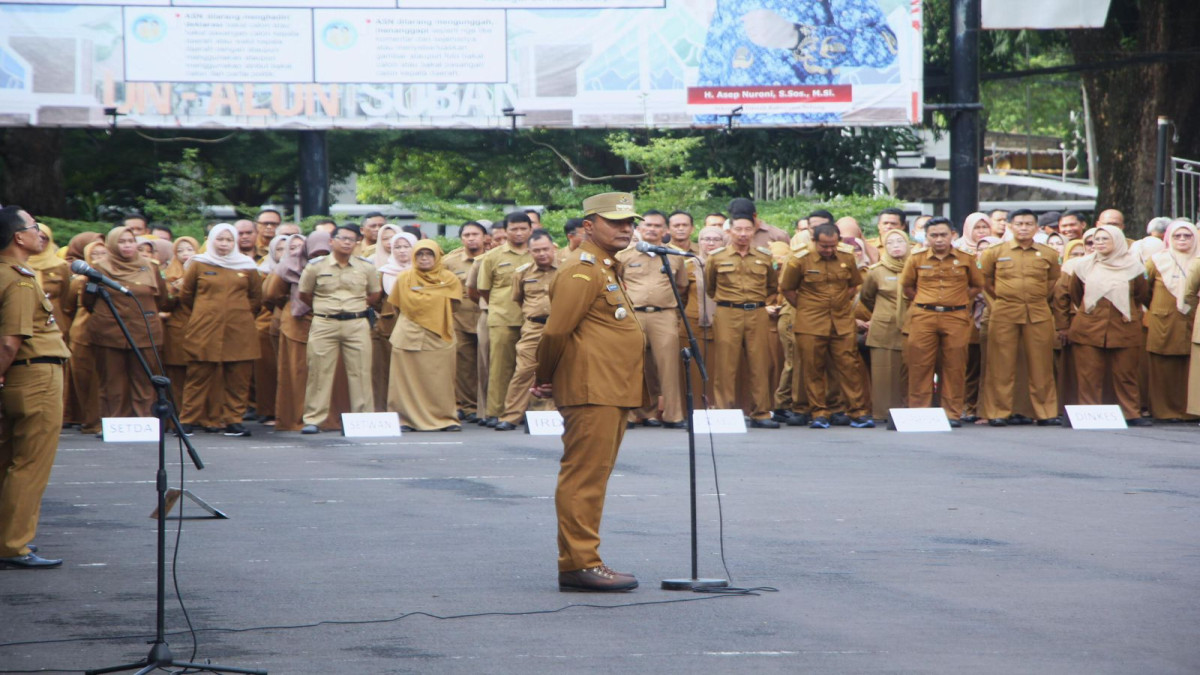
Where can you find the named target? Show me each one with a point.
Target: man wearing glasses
(32, 353)
(267, 221)
(339, 287)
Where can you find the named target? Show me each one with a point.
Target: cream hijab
(234, 260)
(1172, 265)
(1109, 276)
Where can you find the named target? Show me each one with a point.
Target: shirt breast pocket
(326, 283)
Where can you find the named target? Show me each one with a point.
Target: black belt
(652, 308)
(538, 319)
(942, 308)
(742, 305)
(56, 360)
(344, 316)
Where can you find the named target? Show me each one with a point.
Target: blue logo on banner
(149, 28)
(339, 35)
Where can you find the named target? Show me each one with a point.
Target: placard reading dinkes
(370, 425)
(1096, 417)
(544, 422)
(130, 429)
(731, 421)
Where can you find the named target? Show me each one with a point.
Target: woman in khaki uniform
(976, 228)
(174, 349)
(1064, 311)
(700, 309)
(1191, 293)
(266, 322)
(1169, 323)
(881, 296)
(1109, 288)
(421, 386)
(83, 406)
(54, 276)
(390, 260)
(224, 290)
(125, 390)
(279, 290)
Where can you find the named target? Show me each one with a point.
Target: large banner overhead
(297, 64)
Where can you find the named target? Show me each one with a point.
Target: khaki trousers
(32, 400)
(787, 338)
(664, 378)
(518, 399)
(266, 369)
(87, 392)
(817, 352)
(889, 381)
(738, 333)
(1169, 386)
(503, 362)
(591, 439)
(1095, 365)
(466, 371)
(216, 393)
(485, 360)
(125, 391)
(326, 339)
(701, 389)
(932, 334)
(1004, 342)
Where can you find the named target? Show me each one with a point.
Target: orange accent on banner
(722, 96)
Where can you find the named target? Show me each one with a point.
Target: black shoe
(186, 429)
(1140, 422)
(213, 430)
(310, 429)
(674, 425)
(1019, 419)
(969, 419)
(997, 422)
(955, 424)
(504, 426)
(819, 423)
(481, 420)
(264, 419)
(406, 429)
(250, 415)
(863, 422)
(651, 422)
(798, 419)
(32, 548)
(29, 561)
(470, 417)
(491, 422)
(452, 427)
(630, 425)
(839, 419)
(766, 423)
(782, 416)
(1050, 422)
(237, 430)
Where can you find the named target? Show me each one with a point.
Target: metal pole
(965, 20)
(1160, 167)
(314, 173)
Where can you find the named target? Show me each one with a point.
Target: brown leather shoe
(598, 579)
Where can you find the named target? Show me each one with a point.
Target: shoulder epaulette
(845, 248)
(717, 250)
(763, 249)
(366, 260)
(317, 259)
(802, 252)
(586, 257)
(23, 271)
(524, 267)
(919, 248)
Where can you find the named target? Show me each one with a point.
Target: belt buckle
(651, 310)
(749, 306)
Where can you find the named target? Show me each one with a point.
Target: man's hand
(542, 390)
(1063, 340)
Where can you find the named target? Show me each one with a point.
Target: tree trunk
(1126, 102)
(33, 172)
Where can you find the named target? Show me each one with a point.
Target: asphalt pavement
(1013, 550)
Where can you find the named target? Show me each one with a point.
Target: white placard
(544, 422)
(920, 419)
(731, 421)
(130, 429)
(370, 425)
(1096, 417)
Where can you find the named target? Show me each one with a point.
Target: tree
(33, 170)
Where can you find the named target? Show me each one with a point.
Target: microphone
(93, 274)
(645, 247)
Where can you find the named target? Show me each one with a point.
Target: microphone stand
(160, 653)
(692, 351)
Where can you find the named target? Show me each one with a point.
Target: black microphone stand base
(693, 584)
(160, 657)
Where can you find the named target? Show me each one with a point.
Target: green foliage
(182, 190)
(665, 159)
(1042, 106)
(65, 229)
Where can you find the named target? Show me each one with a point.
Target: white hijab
(236, 260)
(392, 268)
(1173, 265)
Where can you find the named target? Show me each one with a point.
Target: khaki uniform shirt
(1105, 326)
(338, 289)
(692, 247)
(1168, 331)
(824, 290)
(1023, 279)
(466, 312)
(496, 271)
(223, 302)
(593, 341)
(764, 235)
(26, 311)
(732, 277)
(531, 289)
(645, 283)
(881, 296)
(941, 281)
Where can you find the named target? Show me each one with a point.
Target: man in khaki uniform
(494, 282)
(681, 227)
(763, 234)
(889, 219)
(1020, 275)
(592, 342)
(531, 290)
(466, 321)
(32, 353)
(941, 282)
(339, 287)
(741, 279)
(650, 291)
(821, 281)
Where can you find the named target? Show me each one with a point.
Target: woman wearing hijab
(975, 228)
(80, 368)
(1169, 323)
(1109, 288)
(174, 349)
(390, 261)
(881, 296)
(421, 383)
(125, 390)
(295, 317)
(266, 323)
(700, 310)
(1055, 241)
(1192, 293)
(1064, 311)
(224, 292)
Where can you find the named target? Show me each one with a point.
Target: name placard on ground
(729, 421)
(370, 425)
(919, 419)
(544, 422)
(130, 429)
(1096, 417)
